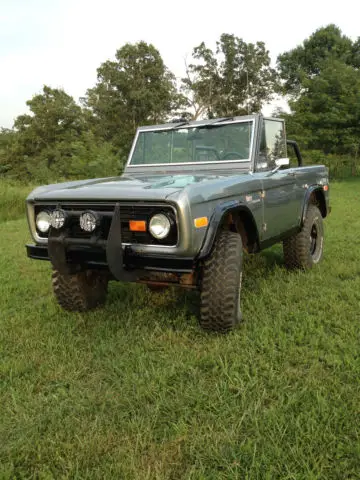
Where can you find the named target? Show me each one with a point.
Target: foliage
(45, 136)
(307, 61)
(235, 79)
(322, 77)
(136, 89)
(137, 390)
(53, 141)
(327, 116)
(60, 139)
(12, 199)
(340, 166)
(6, 149)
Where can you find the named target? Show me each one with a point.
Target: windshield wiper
(215, 121)
(207, 123)
(180, 125)
(224, 119)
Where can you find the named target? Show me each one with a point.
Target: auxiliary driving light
(89, 221)
(159, 226)
(58, 218)
(43, 221)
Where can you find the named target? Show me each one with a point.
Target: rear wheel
(81, 291)
(221, 284)
(305, 249)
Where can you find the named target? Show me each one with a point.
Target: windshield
(225, 142)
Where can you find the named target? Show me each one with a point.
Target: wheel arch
(236, 217)
(314, 196)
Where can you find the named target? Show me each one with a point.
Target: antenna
(247, 91)
(247, 99)
(211, 111)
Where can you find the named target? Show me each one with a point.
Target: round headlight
(89, 221)
(159, 226)
(43, 221)
(58, 218)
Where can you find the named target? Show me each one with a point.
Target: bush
(12, 200)
(340, 166)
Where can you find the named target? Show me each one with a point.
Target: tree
(136, 89)
(327, 116)
(55, 121)
(235, 79)
(306, 61)
(322, 80)
(53, 141)
(7, 141)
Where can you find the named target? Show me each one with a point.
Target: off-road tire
(305, 249)
(81, 291)
(221, 284)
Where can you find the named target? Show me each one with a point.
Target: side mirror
(282, 162)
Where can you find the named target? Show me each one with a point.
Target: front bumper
(68, 254)
(91, 258)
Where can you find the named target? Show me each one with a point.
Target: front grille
(127, 213)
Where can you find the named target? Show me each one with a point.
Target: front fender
(322, 198)
(216, 220)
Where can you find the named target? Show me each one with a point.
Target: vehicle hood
(125, 187)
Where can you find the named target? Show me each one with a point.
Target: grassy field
(138, 391)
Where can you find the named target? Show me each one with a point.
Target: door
(280, 189)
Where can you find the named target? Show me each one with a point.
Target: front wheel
(81, 291)
(305, 249)
(221, 284)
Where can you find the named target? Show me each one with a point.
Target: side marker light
(201, 222)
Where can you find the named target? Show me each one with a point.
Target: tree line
(61, 138)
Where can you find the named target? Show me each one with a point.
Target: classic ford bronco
(193, 196)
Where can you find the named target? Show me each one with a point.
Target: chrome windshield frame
(195, 125)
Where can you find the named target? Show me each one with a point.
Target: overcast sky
(62, 42)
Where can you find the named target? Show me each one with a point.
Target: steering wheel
(205, 148)
(233, 156)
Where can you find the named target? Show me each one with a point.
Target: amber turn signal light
(201, 222)
(137, 225)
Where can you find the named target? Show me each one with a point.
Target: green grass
(138, 391)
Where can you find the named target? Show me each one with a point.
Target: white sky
(61, 43)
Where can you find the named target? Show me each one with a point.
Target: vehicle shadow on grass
(170, 304)
(265, 263)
